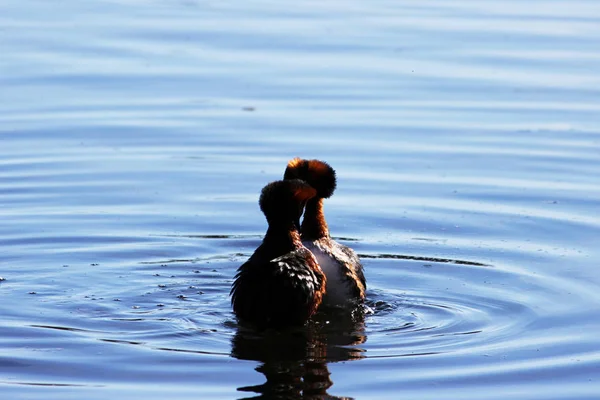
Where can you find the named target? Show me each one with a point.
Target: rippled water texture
(136, 136)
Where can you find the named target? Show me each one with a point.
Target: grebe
(346, 283)
(281, 284)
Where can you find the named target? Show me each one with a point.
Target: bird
(346, 283)
(281, 285)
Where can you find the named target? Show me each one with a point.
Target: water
(137, 135)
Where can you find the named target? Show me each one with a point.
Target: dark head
(316, 173)
(283, 201)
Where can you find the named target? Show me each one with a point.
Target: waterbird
(346, 283)
(281, 285)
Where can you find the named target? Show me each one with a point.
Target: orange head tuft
(316, 173)
(304, 193)
(295, 162)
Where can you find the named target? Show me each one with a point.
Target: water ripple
(136, 137)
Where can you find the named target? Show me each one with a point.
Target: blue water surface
(136, 136)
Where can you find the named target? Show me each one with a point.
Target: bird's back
(284, 291)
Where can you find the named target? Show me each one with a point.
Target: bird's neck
(314, 225)
(282, 238)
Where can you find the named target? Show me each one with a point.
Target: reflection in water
(294, 362)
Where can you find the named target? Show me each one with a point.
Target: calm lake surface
(136, 137)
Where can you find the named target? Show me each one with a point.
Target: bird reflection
(294, 362)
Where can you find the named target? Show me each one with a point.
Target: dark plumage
(281, 284)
